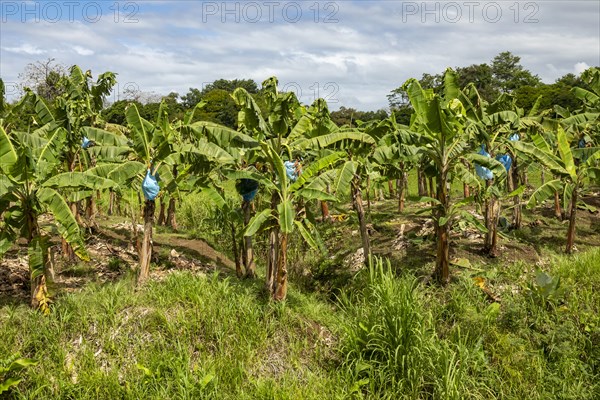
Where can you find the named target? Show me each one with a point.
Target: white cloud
(373, 48)
(82, 51)
(580, 67)
(25, 49)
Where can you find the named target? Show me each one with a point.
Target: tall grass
(391, 344)
(388, 336)
(406, 341)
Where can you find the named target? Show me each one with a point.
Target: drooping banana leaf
(65, 221)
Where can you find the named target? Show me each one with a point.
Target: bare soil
(407, 239)
(113, 254)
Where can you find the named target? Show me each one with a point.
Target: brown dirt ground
(407, 239)
(112, 255)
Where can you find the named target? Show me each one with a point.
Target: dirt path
(194, 247)
(197, 248)
(109, 244)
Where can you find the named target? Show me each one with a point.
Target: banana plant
(575, 168)
(174, 187)
(395, 154)
(282, 111)
(284, 214)
(590, 98)
(584, 124)
(346, 177)
(30, 167)
(316, 134)
(153, 151)
(236, 144)
(283, 133)
(491, 125)
(440, 120)
(78, 106)
(530, 123)
(315, 122)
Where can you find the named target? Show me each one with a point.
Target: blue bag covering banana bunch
(150, 185)
(483, 172)
(247, 188)
(292, 170)
(87, 143)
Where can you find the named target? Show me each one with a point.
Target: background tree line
(504, 74)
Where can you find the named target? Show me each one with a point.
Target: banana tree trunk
(325, 211)
(118, 203)
(442, 261)
(421, 184)
(401, 186)
(273, 251)
(491, 223)
(487, 240)
(281, 279)
(171, 220)
(146, 253)
(360, 212)
(431, 192)
(572, 221)
(368, 195)
(67, 250)
(161, 214)
(517, 214)
(525, 177)
(272, 260)
(442, 264)
(111, 202)
(91, 210)
(249, 264)
(325, 207)
(236, 255)
(391, 188)
(140, 203)
(39, 291)
(557, 209)
(466, 188)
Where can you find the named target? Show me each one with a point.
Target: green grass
(383, 333)
(405, 340)
(186, 337)
(386, 336)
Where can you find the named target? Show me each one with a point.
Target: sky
(352, 53)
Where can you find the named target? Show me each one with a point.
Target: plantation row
(293, 155)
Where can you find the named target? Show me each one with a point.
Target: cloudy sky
(351, 53)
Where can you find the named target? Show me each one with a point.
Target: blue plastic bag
(505, 160)
(290, 170)
(250, 195)
(514, 137)
(483, 172)
(247, 188)
(86, 143)
(150, 186)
